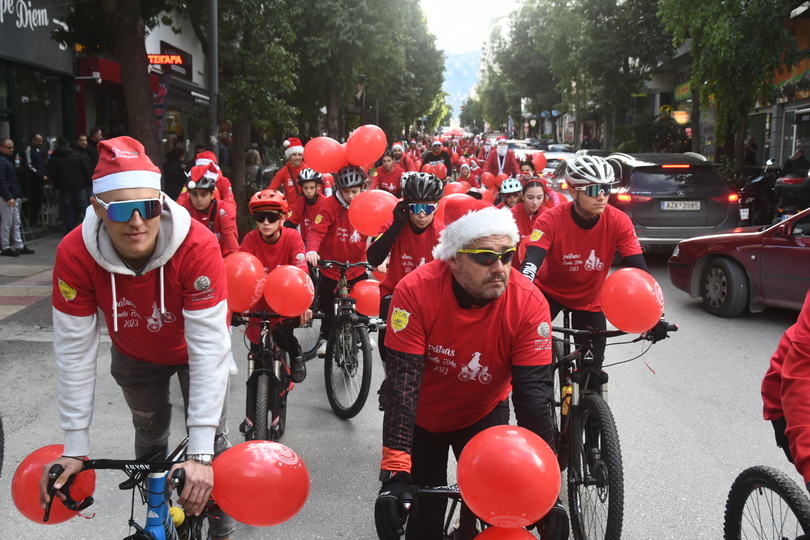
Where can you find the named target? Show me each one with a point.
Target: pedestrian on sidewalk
(11, 192)
(70, 173)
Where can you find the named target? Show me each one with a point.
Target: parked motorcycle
(792, 194)
(757, 198)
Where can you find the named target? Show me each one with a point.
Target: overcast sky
(461, 26)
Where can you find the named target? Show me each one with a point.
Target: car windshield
(662, 179)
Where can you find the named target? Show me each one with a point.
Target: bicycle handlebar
(327, 263)
(657, 333)
(239, 319)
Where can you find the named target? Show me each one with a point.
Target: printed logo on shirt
(318, 219)
(593, 262)
(155, 323)
(202, 283)
(354, 238)
(536, 235)
(475, 371)
(300, 256)
(399, 319)
(68, 292)
(544, 330)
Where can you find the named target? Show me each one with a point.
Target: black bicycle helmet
(420, 186)
(308, 175)
(350, 176)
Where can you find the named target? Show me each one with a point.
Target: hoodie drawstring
(162, 299)
(115, 308)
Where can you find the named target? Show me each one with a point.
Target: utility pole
(213, 74)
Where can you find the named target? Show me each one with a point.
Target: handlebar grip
(672, 328)
(178, 480)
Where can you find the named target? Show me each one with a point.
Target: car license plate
(680, 205)
(743, 213)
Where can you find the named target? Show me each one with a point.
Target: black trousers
(429, 456)
(326, 299)
(583, 320)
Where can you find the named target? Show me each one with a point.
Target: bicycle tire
(595, 477)
(279, 389)
(309, 338)
(260, 432)
(346, 376)
(764, 502)
(561, 435)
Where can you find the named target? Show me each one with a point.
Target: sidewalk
(25, 290)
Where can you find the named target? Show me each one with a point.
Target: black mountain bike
(585, 433)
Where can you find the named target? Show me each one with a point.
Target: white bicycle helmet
(584, 170)
(511, 185)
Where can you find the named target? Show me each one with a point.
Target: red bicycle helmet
(269, 199)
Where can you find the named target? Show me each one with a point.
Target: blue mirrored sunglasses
(593, 190)
(122, 210)
(427, 208)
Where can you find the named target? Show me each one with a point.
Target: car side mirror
(785, 229)
(770, 162)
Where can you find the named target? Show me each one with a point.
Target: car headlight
(676, 251)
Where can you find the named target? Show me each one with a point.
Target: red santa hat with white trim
(396, 146)
(293, 146)
(467, 219)
(123, 164)
(206, 158)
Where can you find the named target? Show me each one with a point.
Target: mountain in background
(460, 76)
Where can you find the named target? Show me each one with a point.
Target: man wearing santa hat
(157, 278)
(286, 179)
(502, 160)
(446, 386)
(404, 161)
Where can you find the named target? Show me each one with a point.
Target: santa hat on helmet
(396, 146)
(293, 146)
(123, 164)
(468, 219)
(197, 173)
(206, 158)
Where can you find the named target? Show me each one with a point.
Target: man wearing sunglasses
(572, 245)
(158, 279)
(445, 385)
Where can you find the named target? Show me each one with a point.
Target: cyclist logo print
(399, 319)
(68, 292)
(475, 371)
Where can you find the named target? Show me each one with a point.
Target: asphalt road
(688, 413)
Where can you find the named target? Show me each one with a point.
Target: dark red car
(751, 267)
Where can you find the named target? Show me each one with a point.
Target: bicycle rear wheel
(595, 477)
(279, 389)
(260, 431)
(765, 503)
(347, 369)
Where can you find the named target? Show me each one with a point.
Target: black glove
(391, 508)
(402, 212)
(554, 526)
(658, 332)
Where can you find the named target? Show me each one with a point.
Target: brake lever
(178, 480)
(69, 502)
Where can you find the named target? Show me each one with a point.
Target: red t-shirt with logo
(389, 181)
(578, 260)
(288, 249)
(303, 214)
(220, 219)
(333, 237)
(286, 181)
(466, 373)
(193, 279)
(410, 251)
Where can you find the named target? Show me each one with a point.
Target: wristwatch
(203, 459)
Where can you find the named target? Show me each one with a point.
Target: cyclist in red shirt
(304, 209)
(785, 391)
(404, 161)
(275, 245)
(204, 205)
(527, 169)
(511, 190)
(388, 177)
(446, 386)
(572, 246)
(334, 237)
(527, 212)
(286, 178)
(407, 240)
(209, 161)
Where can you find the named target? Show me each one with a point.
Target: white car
(553, 160)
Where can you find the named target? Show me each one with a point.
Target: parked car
(601, 152)
(749, 267)
(520, 148)
(555, 147)
(554, 161)
(671, 197)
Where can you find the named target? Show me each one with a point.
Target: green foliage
(472, 115)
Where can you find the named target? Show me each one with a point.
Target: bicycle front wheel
(347, 369)
(595, 477)
(309, 338)
(279, 389)
(260, 431)
(765, 503)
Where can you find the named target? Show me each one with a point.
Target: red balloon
(539, 160)
(379, 275)
(325, 154)
(524, 242)
(488, 195)
(466, 185)
(260, 483)
(508, 476)
(25, 486)
(418, 164)
(488, 179)
(501, 533)
(245, 274)
(440, 208)
(500, 178)
(328, 181)
(289, 290)
(367, 296)
(370, 210)
(428, 168)
(365, 145)
(632, 300)
(441, 171)
(454, 187)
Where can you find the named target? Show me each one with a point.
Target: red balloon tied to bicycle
(370, 210)
(500, 178)
(632, 300)
(466, 185)
(487, 179)
(508, 476)
(440, 208)
(378, 274)
(325, 155)
(365, 145)
(539, 160)
(440, 171)
(454, 187)
(25, 487)
(245, 275)
(366, 294)
(289, 290)
(488, 195)
(260, 483)
(502, 533)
